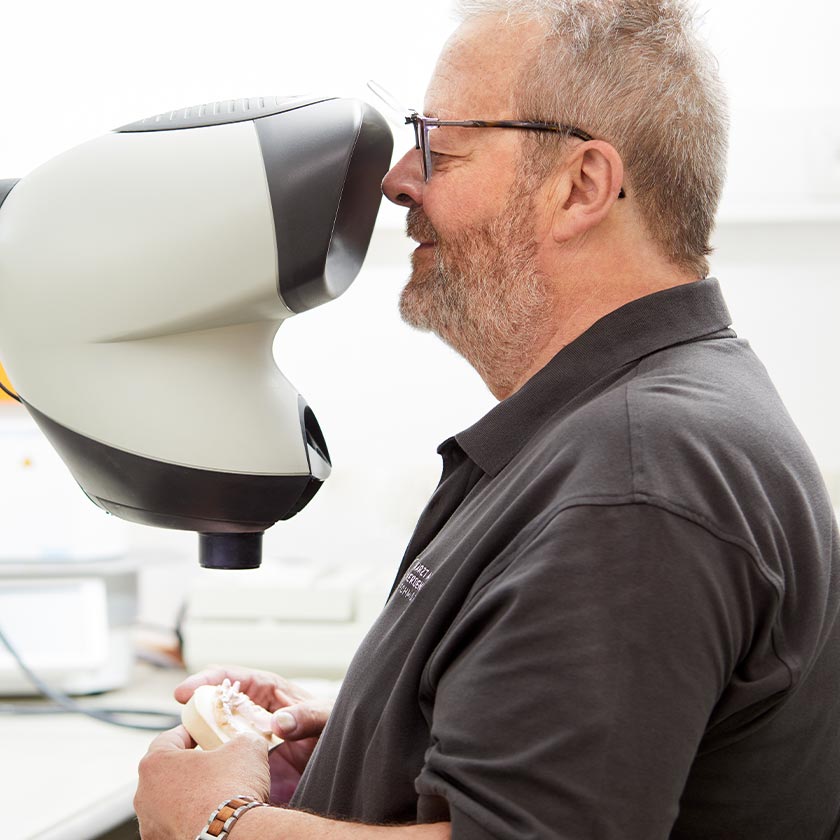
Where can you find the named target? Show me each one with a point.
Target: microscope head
(143, 277)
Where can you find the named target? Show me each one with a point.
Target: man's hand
(179, 787)
(299, 718)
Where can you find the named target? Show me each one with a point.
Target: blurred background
(386, 395)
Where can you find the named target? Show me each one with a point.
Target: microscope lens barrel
(230, 551)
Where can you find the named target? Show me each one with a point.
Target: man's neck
(578, 309)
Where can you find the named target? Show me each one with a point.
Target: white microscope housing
(143, 277)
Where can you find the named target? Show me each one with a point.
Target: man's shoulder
(714, 392)
(682, 391)
(699, 426)
(710, 407)
(716, 385)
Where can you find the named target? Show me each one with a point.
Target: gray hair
(634, 73)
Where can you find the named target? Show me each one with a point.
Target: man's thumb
(303, 720)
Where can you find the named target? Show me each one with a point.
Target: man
(618, 615)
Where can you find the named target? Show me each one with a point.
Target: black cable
(10, 393)
(68, 704)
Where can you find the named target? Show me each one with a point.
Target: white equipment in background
(295, 617)
(68, 596)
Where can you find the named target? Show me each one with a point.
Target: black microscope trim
(324, 165)
(167, 495)
(220, 113)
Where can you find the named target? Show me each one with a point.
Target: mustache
(418, 226)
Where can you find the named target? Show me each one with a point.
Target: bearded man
(618, 614)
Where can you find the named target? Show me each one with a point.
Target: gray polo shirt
(618, 615)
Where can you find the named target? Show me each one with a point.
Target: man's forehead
(478, 69)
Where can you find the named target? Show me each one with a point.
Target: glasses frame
(422, 124)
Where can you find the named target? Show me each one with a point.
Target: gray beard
(484, 297)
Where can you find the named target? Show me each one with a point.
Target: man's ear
(585, 189)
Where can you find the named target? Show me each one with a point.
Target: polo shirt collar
(637, 329)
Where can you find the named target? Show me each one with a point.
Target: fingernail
(285, 722)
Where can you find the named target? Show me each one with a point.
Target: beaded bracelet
(222, 819)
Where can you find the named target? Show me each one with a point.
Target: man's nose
(404, 183)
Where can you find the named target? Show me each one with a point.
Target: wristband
(222, 819)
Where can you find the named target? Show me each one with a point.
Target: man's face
(475, 279)
(480, 291)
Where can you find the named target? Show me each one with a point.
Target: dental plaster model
(216, 713)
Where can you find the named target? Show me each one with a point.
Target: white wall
(71, 71)
(385, 395)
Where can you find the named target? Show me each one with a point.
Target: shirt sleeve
(570, 695)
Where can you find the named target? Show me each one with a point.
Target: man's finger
(214, 675)
(258, 685)
(173, 739)
(304, 720)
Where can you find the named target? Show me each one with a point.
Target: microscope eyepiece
(230, 551)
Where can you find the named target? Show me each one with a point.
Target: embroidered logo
(415, 579)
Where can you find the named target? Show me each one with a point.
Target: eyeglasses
(423, 125)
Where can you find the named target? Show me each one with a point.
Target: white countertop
(69, 777)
